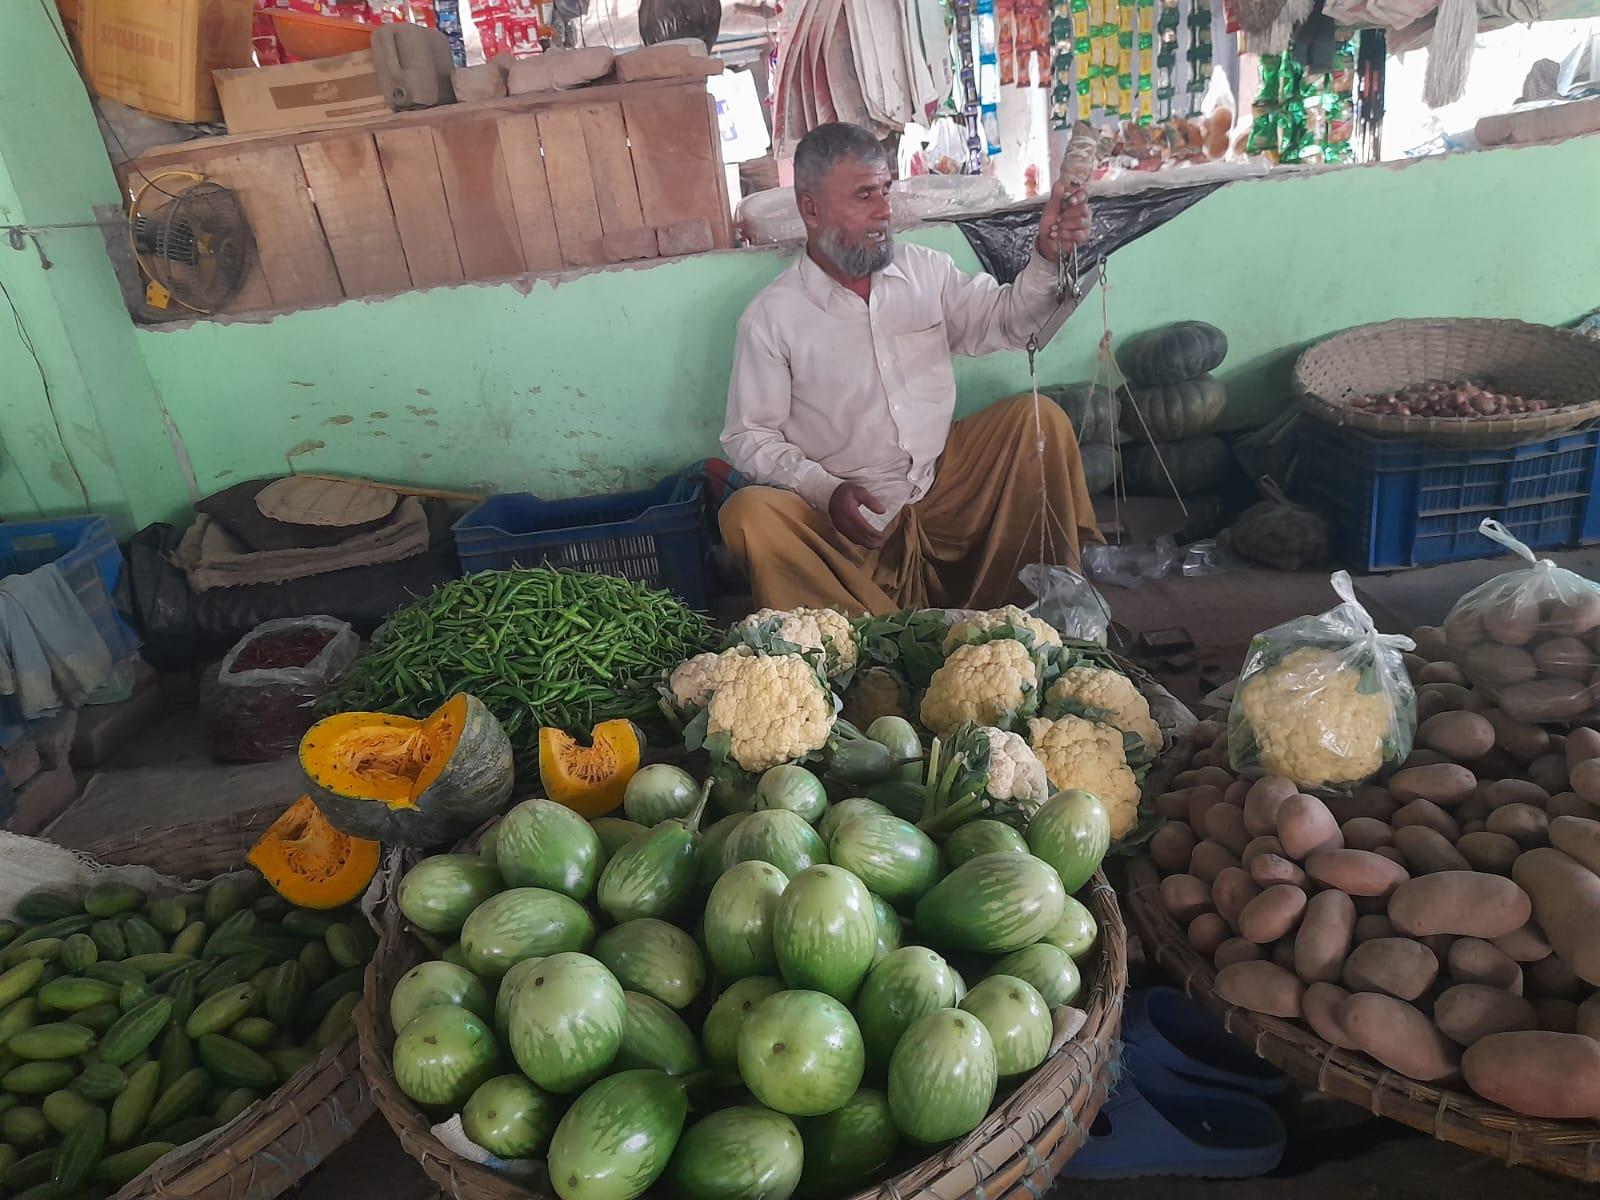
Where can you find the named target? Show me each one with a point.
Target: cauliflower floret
(1084, 754)
(1015, 772)
(773, 709)
(692, 682)
(824, 629)
(990, 684)
(1043, 633)
(1112, 693)
(1311, 721)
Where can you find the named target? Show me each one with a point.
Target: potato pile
(1462, 398)
(1538, 658)
(1445, 922)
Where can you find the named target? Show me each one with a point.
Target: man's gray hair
(826, 146)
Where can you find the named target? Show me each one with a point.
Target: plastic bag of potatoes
(1530, 638)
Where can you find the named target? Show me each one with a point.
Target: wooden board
(677, 160)
(347, 186)
(616, 193)
(293, 253)
(421, 213)
(530, 193)
(473, 170)
(566, 167)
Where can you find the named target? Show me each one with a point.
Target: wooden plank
(294, 255)
(421, 213)
(616, 192)
(530, 194)
(474, 174)
(677, 159)
(347, 186)
(566, 167)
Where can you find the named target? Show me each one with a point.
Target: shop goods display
(1305, 116)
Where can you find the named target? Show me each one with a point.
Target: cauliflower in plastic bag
(1530, 638)
(1323, 700)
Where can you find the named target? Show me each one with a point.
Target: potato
(1575, 615)
(1202, 797)
(1174, 806)
(1171, 846)
(1492, 853)
(1397, 965)
(1497, 764)
(1497, 667)
(1582, 745)
(1515, 791)
(1259, 846)
(1225, 824)
(1442, 671)
(1413, 663)
(1549, 771)
(1586, 779)
(1261, 987)
(1231, 891)
(1525, 945)
(1565, 658)
(1537, 1074)
(1399, 1037)
(1207, 777)
(1545, 700)
(1512, 621)
(1324, 938)
(1207, 731)
(1550, 979)
(1368, 800)
(1207, 932)
(1462, 736)
(1524, 824)
(1556, 1016)
(1434, 698)
(1470, 1011)
(1520, 739)
(1427, 850)
(1321, 1010)
(1305, 826)
(1439, 943)
(1365, 833)
(1579, 838)
(1356, 872)
(1431, 642)
(1371, 926)
(1471, 827)
(1209, 860)
(1394, 855)
(1237, 949)
(1426, 812)
(1185, 897)
(1269, 870)
(1569, 804)
(1235, 792)
(1444, 783)
(1261, 804)
(1589, 1016)
(1424, 758)
(1283, 954)
(1462, 629)
(1273, 914)
(1473, 960)
(1460, 903)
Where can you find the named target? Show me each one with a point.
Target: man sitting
(841, 400)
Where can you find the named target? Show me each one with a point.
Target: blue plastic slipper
(1175, 1034)
(1203, 1133)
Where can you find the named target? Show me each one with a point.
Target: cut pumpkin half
(310, 863)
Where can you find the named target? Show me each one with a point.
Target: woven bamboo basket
(1534, 360)
(1570, 1148)
(282, 1138)
(1014, 1155)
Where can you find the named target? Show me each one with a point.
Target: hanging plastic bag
(1528, 638)
(1067, 601)
(258, 703)
(1324, 700)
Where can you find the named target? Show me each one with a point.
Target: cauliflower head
(966, 630)
(994, 683)
(1112, 693)
(1015, 772)
(1310, 721)
(1085, 754)
(772, 708)
(824, 629)
(693, 682)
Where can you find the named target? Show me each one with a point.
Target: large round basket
(1530, 360)
(1568, 1148)
(282, 1138)
(1014, 1155)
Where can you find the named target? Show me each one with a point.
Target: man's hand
(844, 510)
(1064, 223)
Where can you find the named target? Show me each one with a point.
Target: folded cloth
(235, 510)
(212, 558)
(51, 655)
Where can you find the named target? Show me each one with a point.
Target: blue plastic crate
(655, 537)
(86, 552)
(1395, 503)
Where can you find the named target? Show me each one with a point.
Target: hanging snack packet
(1324, 700)
(1528, 638)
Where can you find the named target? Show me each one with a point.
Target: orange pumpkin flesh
(589, 779)
(310, 863)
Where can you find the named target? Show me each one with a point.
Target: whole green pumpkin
(1174, 411)
(1195, 464)
(1099, 467)
(1172, 353)
(1089, 406)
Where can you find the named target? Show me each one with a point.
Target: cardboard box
(301, 95)
(158, 55)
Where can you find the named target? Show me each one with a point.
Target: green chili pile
(538, 646)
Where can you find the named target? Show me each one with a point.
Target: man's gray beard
(857, 261)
